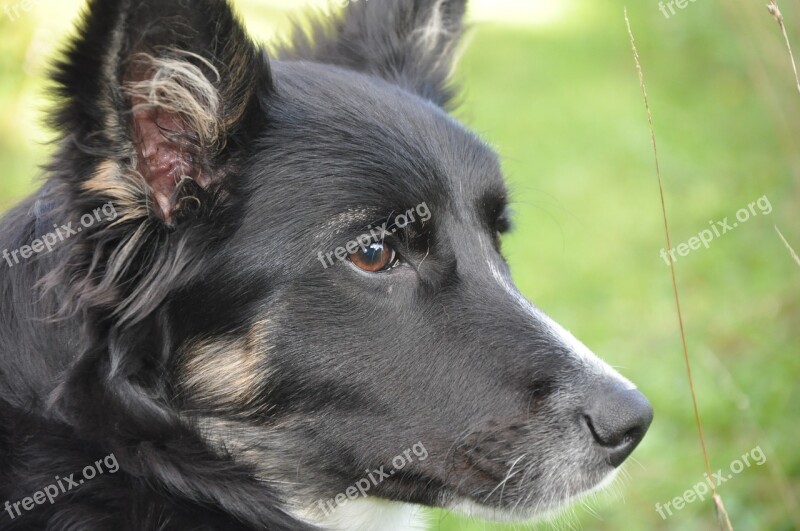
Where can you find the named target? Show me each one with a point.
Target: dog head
(311, 245)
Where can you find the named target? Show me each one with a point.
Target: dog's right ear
(159, 96)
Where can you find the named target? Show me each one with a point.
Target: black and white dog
(266, 292)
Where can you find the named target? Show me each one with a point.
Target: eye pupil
(376, 257)
(374, 252)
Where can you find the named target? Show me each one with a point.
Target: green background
(552, 84)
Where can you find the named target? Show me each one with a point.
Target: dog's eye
(375, 258)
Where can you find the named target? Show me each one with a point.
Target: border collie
(265, 291)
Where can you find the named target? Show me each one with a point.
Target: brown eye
(374, 258)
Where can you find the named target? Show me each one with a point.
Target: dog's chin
(530, 511)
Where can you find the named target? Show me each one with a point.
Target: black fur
(198, 337)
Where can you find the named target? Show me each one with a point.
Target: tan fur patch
(226, 373)
(127, 191)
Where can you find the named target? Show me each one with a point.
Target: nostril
(612, 441)
(618, 419)
(588, 420)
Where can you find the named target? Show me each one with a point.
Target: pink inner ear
(162, 159)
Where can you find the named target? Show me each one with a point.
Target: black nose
(618, 418)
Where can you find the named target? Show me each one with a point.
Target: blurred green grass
(553, 87)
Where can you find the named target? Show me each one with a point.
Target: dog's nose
(618, 418)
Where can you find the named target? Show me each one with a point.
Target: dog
(265, 290)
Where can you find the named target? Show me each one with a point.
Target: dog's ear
(159, 95)
(412, 43)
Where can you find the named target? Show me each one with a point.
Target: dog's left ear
(159, 96)
(412, 43)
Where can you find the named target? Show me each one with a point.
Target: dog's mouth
(520, 489)
(478, 483)
(493, 492)
(532, 506)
